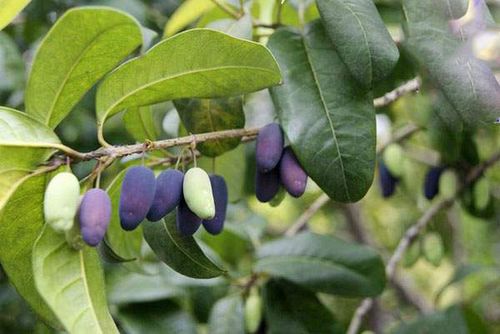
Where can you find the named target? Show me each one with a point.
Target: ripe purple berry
(94, 216)
(431, 183)
(387, 180)
(187, 222)
(136, 198)
(292, 176)
(269, 147)
(267, 185)
(219, 189)
(168, 194)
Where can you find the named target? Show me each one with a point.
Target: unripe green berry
(433, 248)
(278, 198)
(197, 191)
(253, 312)
(411, 255)
(448, 184)
(481, 192)
(61, 200)
(394, 159)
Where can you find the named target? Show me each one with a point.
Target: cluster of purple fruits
(276, 165)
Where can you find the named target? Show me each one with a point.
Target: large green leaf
(466, 83)
(292, 309)
(179, 252)
(360, 38)
(21, 221)
(227, 317)
(198, 63)
(323, 263)
(72, 284)
(188, 12)
(9, 9)
(83, 45)
(209, 115)
(140, 123)
(24, 144)
(328, 118)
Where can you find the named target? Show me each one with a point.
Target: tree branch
(408, 87)
(301, 222)
(413, 232)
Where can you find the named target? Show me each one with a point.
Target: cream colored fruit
(197, 191)
(61, 200)
(394, 159)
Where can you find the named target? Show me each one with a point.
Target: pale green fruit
(433, 248)
(394, 159)
(411, 255)
(61, 200)
(481, 193)
(197, 191)
(278, 198)
(448, 184)
(253, 312)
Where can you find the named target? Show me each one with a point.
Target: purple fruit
(94, 215)
(431, 183)
(292, 176)
(187, 222)
(168, 194)
(267, 185)
(269, 147)
(219, 189)
(387, 180)
(136, 198)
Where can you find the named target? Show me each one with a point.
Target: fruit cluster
(276, 165)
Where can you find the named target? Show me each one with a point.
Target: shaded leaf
(179, 252)
(203, 63)
(450, 321)
(328, 118)
(140, 123)
(360, 38)
(209, 115)
(325, 264)
(11, 64)
(227, 316)
(72, 284)
(292, 309)
(241, 28)
(9, 9)
(83, 45)
(188, 12)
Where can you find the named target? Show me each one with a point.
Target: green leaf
(450, 321)
(466, 83)
(325, 264)
(11, 64)
(328, 118)
(127, 244)
(241, 28)
(72, 284)
(188, 12)
(227, 317)
(162, 317)
(209, 115)
(83, 45)
(460, 274)
(24, 144)
(21, 221)
(224, 66)
(140, 123)
(179, 252)
(292, 309)
(9, 9)
(360, 38)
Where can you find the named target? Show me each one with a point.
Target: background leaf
(9, 9)
(203, 64)
(289, 308)
(227, 316)
(81, 48)
(187, 13)
(11, 64)
(209, 115)
(374, 54)
(328, 118)
(72, 284)
(241, 28)
(325, 264)
(140, 123)
(179, 252)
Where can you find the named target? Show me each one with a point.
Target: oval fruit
(61, 200)
(481, 191)
(94, 216)
(253, 312)
(280, 196)
(412, 254)
(387, 180)
(168, 194)
(197, 191)
(219, 189)
(433, 248)
(267, 185)
(187, 221)
(292, 175)
(136, 197)
(448, 184)
(431, 183)
(394, 159)
(269, 147)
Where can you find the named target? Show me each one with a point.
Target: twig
(408, 87)
(400, 135)
(413, 232)
(301, 222)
